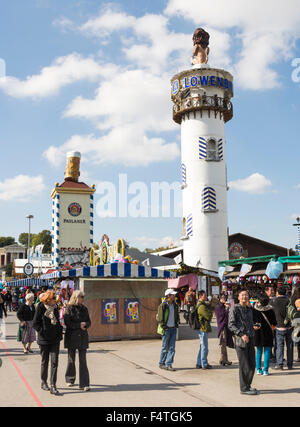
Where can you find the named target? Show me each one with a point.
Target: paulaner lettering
(74, 221)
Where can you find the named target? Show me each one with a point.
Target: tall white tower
(202, 106)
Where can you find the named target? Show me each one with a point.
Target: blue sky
(71, 67)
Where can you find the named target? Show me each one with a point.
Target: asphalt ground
(126, 374)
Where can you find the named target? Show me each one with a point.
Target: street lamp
(298, 226)
(29, 217)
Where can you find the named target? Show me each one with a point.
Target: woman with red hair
(46, 323)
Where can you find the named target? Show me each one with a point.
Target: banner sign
(110, 311)
(132, 310)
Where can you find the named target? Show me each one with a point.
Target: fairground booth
(122, 298)
(258, 272)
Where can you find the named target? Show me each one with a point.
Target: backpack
(193, 319)
(291, 314)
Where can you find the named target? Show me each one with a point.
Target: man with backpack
(284, 329)
(204, 315)
(168, 321)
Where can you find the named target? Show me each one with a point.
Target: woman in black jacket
(264, 316)
(46, 323)
(77, 321)
(26, 332)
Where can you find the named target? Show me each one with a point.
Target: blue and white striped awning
(27, 282)
(53, 275)
(118, 270)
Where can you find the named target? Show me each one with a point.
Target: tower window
(187, 227)
(210, 149)
(209, 200)
(183, 175)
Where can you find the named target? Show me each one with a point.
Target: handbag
(239, 342)
(21, 331)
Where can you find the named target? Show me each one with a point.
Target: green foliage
(9, 269)
(5, 241)
(23, 239)
(43, 238)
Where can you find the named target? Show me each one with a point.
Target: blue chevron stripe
(202, 148)
(209, 199)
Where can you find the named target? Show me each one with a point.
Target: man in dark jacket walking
(241, 324)
(283, 331)
(168, 318)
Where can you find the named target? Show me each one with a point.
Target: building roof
(170, 253)
(72, 184)
(154, 260)
(246, 237)
(14, 246)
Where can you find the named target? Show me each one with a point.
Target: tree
(43, 238)
(5, 241)
(9, 269)
(23, 239)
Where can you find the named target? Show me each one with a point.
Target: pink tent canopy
(190, 280)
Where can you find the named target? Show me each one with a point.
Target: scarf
(50, 313)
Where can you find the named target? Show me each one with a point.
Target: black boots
(52, 389)
(45, 386)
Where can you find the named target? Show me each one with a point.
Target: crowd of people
(258, 328)
(46, 315)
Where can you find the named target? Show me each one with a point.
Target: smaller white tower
(202, 106)
(72, 214)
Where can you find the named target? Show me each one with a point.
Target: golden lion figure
(201, 49)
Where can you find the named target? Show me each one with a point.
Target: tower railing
(212, 104)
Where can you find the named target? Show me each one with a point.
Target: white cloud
(130, 107)
(254, 184)
(21, 188)
(108, 21)
(63, 71)
(297, 186)
(266, 37)
(123, 145)
(65, 24)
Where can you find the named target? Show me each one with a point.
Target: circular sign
(236, 249)
(74, 209)
(175, 87)
(28, 269)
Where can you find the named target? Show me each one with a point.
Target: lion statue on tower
(201, 49)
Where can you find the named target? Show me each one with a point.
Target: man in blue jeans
(205, 315)
(168, 318)
(283, 332)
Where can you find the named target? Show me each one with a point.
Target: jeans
(203, 350)
(267, 355)
(286, 336)
(168, 347)
(84, 379)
